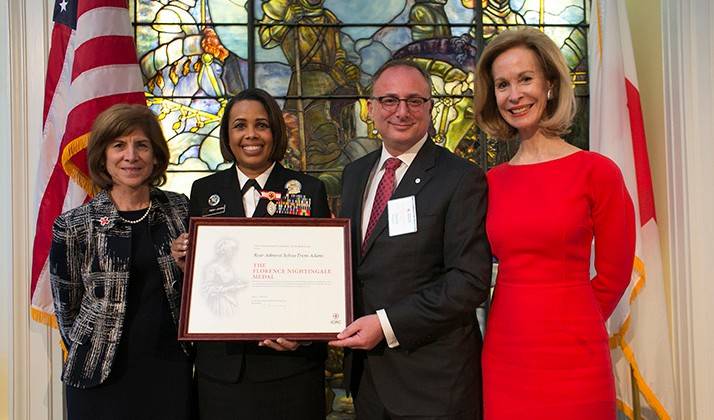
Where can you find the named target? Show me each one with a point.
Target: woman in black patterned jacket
(116, 287)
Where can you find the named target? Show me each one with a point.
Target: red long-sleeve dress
(546, 353)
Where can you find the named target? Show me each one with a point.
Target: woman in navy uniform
(271, 379)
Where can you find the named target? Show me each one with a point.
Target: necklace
(133, 222)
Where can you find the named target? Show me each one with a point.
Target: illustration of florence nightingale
(222, 285)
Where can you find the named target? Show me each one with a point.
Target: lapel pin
(418, 180)
(104, 220)
(214, 199)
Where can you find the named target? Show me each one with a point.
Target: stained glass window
(316, 57)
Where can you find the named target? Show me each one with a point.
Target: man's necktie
(250, 183)
(384, 192)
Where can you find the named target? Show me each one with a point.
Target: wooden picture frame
(264, 278)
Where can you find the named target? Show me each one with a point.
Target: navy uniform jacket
(230, 361)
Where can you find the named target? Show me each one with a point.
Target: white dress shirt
(252, 196)
(377, 173)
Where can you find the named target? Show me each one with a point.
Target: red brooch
(104, 221)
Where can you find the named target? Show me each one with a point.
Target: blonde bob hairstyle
(560, 110)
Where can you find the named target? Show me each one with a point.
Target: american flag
(92, 65)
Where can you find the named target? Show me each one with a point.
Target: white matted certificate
(259, 278)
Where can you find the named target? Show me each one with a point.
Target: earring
(374, 131)
(550, 94)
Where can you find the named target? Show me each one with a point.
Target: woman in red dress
(546, 352)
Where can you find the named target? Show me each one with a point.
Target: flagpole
(636, 407)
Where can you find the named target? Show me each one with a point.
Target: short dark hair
(275, 119)
(402, 62)
(117, 121)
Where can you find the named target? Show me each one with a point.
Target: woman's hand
(280, 344)
(178, 250)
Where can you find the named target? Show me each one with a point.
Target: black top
(149, 331)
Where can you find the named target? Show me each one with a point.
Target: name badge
(214, 211)
(402, 216)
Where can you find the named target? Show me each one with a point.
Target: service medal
(214, 199)
(271, 207)
(270, 195)
(293, 186)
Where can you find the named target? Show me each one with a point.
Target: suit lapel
(108, 231)
(419, 173)
(412, 182)
(276, 182)
(362, 175)
(230, 193)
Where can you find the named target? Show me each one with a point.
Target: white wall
(34, 388)
(688, 51)
(5, 222)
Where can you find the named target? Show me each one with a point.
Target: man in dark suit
(422, 263)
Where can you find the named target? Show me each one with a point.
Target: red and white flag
(92, 65)
(639, 328)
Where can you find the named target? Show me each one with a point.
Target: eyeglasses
(390, 103)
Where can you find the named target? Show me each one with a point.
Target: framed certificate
(264, 278)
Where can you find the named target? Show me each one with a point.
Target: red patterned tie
(384, 192)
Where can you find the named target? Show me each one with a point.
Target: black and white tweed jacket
(89, 273)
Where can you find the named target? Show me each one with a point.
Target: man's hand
(178, 250)
(363, 334)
